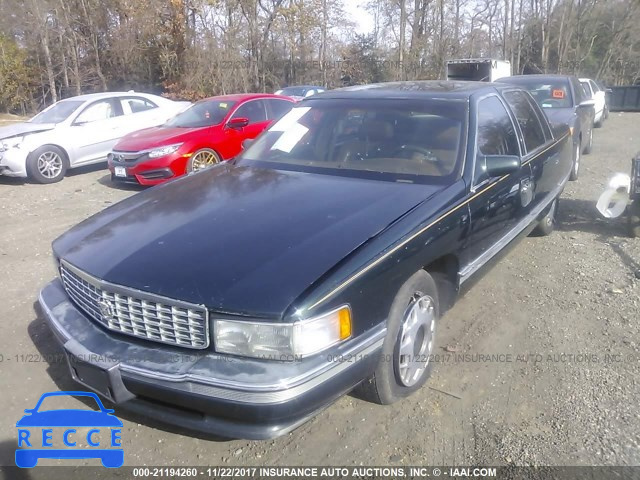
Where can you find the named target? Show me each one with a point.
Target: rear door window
(528, 120)
(136, 105)
(278, 108)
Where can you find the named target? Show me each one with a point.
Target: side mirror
(587, 103)
(247, 142)
(499, 165)
(238, 122)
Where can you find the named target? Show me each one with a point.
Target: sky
(362, 18)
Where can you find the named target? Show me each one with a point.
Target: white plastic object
(615, 198)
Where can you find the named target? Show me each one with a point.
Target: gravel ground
(538, 364)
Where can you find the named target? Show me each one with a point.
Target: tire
(587, 150)
(547, 224)
(633, 217)
(201, 159)
(577, 156)
(47, 164)
(416, 301)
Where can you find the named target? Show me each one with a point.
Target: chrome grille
(137, 313)
(126, 156)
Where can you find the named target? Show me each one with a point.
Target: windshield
(58, 112)
(399, 140)
(202, 114)
(555, 94)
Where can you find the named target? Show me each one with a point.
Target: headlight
(8, 143)
(161, 152)
(278, 341)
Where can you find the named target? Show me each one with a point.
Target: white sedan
(599, 96)
(78, 131)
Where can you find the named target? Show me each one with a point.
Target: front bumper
(13, 163)
(147, 171)
(202, 390)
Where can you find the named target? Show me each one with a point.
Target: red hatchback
(208, 132)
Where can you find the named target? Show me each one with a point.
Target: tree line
(190, 49)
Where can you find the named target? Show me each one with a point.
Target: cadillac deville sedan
(243, 298)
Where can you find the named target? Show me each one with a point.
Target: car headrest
(377, 130)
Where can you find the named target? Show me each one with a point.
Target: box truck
(478, 69)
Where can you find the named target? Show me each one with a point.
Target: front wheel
(203, 158)
(404, 365)
(47, 164)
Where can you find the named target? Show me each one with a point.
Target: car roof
(534, 77)
(98, 96)
(412, 89)
(240, 97)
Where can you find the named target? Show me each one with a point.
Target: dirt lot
(559, 316)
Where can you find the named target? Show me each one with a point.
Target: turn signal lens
(344, 315)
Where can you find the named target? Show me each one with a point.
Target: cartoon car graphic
(28, 457)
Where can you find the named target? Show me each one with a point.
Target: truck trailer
(478, 69)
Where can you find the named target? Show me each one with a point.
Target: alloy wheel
(203, 159)
(416, 339)
(50, 164)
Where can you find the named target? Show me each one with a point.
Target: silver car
(78, 131)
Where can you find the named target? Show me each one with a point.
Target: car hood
(154, 137)
(18, 129)
(236, 239)
(69, 418)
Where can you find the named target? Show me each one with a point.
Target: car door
(598, 96)
(536, 136)
(95, 130)
(585, 113)
(498, 203)
(255, 111)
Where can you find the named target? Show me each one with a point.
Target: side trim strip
(368, 267)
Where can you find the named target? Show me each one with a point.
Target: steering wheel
(428, 156)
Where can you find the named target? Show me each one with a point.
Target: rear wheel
(589, 146)
(47, 164)
(600, 122)
(577, 155)
(633, 217)
(548, 222)
(203, 158)
(404, 365)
